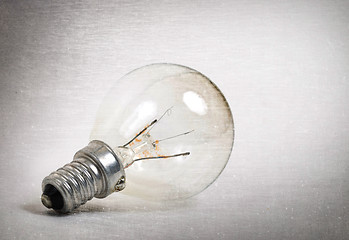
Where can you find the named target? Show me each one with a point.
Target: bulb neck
(95, 171)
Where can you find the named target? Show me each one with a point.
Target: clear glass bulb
(171, 127)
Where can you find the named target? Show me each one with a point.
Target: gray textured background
(283, 66)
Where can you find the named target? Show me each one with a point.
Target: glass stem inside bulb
(142, 146)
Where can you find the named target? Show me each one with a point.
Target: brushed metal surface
(282, 65)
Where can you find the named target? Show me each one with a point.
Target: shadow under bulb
(163, 132)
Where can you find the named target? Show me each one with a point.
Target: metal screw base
(96, 171)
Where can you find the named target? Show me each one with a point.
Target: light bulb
(164, 131)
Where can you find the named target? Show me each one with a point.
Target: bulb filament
(143, 140)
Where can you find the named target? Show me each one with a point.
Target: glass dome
(172, 128)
